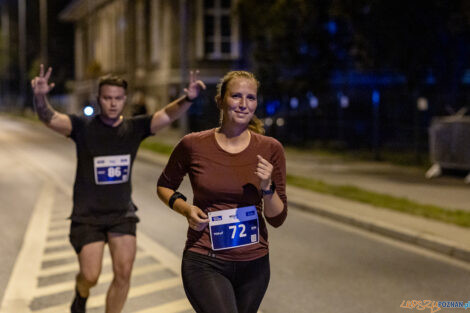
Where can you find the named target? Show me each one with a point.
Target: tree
(425, 40)
(294, 44)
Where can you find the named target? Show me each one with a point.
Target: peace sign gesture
(40, 84)
(195, 85)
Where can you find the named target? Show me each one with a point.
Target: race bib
(234, 228)
(112, 169)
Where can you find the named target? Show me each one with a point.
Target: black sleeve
(142, 125)
(77, 124)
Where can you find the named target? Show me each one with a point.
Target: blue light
(375, 97)
(343, 100)
(332, 28)
(272, 106)
(430, 79)
(294, 103)
(88, 110)
(312, 100)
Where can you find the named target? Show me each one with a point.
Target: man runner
(103, 210)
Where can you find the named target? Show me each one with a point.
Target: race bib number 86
(112, 169)
(234, 228)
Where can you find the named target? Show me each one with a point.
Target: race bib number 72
(113, 169)
(234, 228)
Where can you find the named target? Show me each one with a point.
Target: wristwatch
(270, 191)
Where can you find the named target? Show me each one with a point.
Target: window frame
(218, 12)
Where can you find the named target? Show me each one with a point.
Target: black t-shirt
(105, 154)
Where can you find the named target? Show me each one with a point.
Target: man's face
(112, 100)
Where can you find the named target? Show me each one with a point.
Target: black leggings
(218, 286)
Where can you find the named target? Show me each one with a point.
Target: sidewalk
(448, 192)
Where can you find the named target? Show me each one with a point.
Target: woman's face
(240, 101)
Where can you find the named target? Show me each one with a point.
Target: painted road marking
(97, 301)
(59, 232)
(41, 258)
(18, 293)
(170, 307)
(60, 269)
(59, 255)
(104, 278)
(57, 243)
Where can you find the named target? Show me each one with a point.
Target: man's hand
(59, 122)
(176, 109)
(40, 84)
(195, 86)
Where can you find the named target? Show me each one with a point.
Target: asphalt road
(317, 265)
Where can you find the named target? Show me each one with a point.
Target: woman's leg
(207, 284)
(251, 282)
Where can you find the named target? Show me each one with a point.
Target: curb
(426, 241)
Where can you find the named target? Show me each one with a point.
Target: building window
(218, 29)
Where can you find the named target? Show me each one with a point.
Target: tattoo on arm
(44, 110)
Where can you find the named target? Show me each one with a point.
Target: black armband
(174, 196)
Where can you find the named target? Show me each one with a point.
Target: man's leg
(88, 241)
(123, 250)
(90, 259)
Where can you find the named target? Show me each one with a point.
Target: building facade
(153, 44)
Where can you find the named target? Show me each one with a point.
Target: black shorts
(82, 234)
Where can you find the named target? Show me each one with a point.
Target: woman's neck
(232, 140)
(231, 132)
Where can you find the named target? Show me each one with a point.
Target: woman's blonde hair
(255, 125)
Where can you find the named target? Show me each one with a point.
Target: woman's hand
(264, 170)
(196, 217)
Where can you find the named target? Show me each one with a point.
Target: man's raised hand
(195, 86)
(40, 84)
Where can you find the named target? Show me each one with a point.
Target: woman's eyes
(252, 98)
